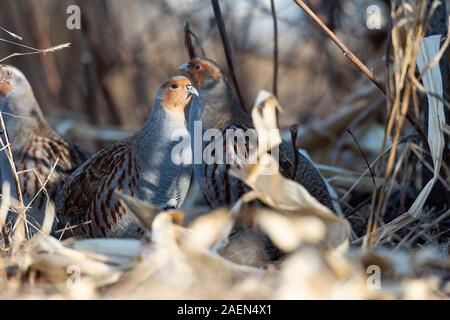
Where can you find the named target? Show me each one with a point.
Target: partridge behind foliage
(146, 165)
(217, 107)
(41, 156)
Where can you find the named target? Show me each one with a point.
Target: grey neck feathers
(217, 106)
(160, 128)
(161, 119)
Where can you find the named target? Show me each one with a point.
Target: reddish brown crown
(200, 68)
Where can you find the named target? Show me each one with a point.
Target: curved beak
(192, 91)
(184, 67)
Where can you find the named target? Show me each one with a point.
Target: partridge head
(17, 100)
(41, 156)
(152, 165)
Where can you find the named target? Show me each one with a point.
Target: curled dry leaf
(288, 232)
(143, 212)
(309, 274)
(207, 230)
(278, 192)
(54, 260)
(49, 218)
(264, 115)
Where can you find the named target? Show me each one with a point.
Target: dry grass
(380, 248)
(201, 261)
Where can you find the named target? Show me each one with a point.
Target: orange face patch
(199, 69)
(175, 94)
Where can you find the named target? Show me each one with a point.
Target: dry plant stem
(33, 50)
(405, 65)
(198, 42)
(358, 63)
(12, 34)
(188, 41)
(227, 48)
(399, 126)
(354, 59)
(389, 185)
(275, 48)
(378, 196)
(22, 228)
(364, 156)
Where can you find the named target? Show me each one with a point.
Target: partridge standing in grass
(144, 165)
(217, 107)
(42, 157)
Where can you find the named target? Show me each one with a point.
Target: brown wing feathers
(89, 201)
(36, 159)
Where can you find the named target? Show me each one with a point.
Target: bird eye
(198, 67)
(173, 86)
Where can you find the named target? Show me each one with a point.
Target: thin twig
(354, 59)
(21, 208)
(226, 47)
(364, 157)
(33, 50)
(12, 34)
(363, 115)
(198, 42)
(19, 44)
(43, 184)
(275, 48)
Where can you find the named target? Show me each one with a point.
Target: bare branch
(354, 59)
(226, 47)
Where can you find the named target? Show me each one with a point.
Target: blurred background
(101, 88)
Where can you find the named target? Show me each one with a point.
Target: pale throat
(177, 114)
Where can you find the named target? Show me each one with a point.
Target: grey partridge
(42, 157)
(143, 166)
(217, 107)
